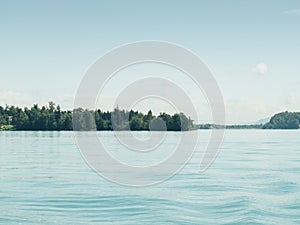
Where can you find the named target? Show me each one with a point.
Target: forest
(51, 117)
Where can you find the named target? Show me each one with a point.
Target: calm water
(254, 180)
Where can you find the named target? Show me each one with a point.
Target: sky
(252, 47)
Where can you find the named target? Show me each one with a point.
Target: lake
(254, 180)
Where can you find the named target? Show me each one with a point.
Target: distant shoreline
(52, 118)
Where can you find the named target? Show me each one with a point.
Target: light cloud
(243, 111)
(25, 100)
(13, 98)
(261, 68)
(66, 101)
(291, 100)
(293, 12)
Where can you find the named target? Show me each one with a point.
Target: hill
(284, 120)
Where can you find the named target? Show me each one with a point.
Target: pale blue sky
(46, 47)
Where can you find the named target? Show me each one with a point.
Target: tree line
(51, 117)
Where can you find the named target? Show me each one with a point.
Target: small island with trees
(52, 118)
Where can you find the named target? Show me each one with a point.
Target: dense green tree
(137, 123)
(120, 119)
(175, 125)
(186, 123)
(147, 118)
(99, 120)
(3, 118)
(84, 120)
(20, 120)
(157, 124)
(167, 119)
(66, 122)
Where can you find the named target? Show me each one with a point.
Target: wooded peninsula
(52, 118)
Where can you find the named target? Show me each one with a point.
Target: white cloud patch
(293, 12)
(13, 98)
(261, 68)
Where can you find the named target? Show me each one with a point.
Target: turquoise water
(254, 180)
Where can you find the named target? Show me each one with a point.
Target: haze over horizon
(252, 49)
